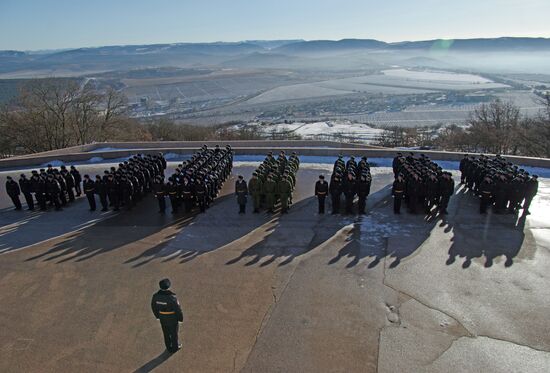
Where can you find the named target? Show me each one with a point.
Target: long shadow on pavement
(489, 236)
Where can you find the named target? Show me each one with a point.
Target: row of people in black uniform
(421, 183)
(126, 184)
(195, 182)
(498, 183)
(349, 179)
(46, 187)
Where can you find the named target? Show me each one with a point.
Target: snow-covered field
(334, 129)
(392, 81)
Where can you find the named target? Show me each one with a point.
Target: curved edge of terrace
(115, 150)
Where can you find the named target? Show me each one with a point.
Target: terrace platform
(271, 293)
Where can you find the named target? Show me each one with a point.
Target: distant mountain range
(108, 58)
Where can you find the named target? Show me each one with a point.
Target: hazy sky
(46, 24)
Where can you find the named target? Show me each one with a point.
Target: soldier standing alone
(167, 309)
(241, 191)
(321, 190)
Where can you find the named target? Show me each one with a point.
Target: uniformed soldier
(270, 190)
(241, 192)
(89, 191)
(284, 190)
(13, 190)
(77, 180)
(363, 191)
(167, 309)
(53, 190)
(160, 193)
(531, 192)
(255, 190)
(321, 191)
(350, 189)
(335, 190)
(447, 188)
(398, 191)
(485, 194)
(172, 190)
(26, 188)
(101, 191)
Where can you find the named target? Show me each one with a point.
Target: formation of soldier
(196, 182)
(125, 185)
(348, 179)
(273, 182)
(422, 184)
(498, 183)
(45, 188)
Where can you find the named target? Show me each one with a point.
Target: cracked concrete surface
(292, 293)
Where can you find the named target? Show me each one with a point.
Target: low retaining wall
(310, 150)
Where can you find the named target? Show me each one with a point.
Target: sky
(56, 24)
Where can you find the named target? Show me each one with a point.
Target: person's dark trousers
(41, 199)
(30, 201)
(335, 204)
(77, 189)
(55, 201)
(483, 204)
(444, 203)
(104, 202)
(202, 204)
(162, 203)
(174, 203)
(91, 200)
(361, 204)
(63, 198)
(16, 201)
(242, 209)
(170, 331)
(397, 204)
(70, 193)
(321, 200)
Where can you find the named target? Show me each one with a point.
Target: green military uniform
(270, 189)
(284, 189)
(255, 190)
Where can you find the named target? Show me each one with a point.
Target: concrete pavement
(292, 293)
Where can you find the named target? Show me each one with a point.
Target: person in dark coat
(101, 191)
(321, 191)
(127, 189)
(398, 191)
(77, 180)
(485, 194)
(113, 192)
(26, 188)
(62, 187)
(89, 191)
(167, 310)
(363, 191)
(462, 168)
(172, 191)
(187, 194)
(335, 190)
(200, 192)
(531, 192)
(69, 182)
(350, 189)
(241, 191)
(447, 187)
(13, 190)
(53, 190)
(160, 193)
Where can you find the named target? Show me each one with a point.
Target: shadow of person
(285, 237)
(154, 363)
(486, 236)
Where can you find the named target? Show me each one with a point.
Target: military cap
(165, 284)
